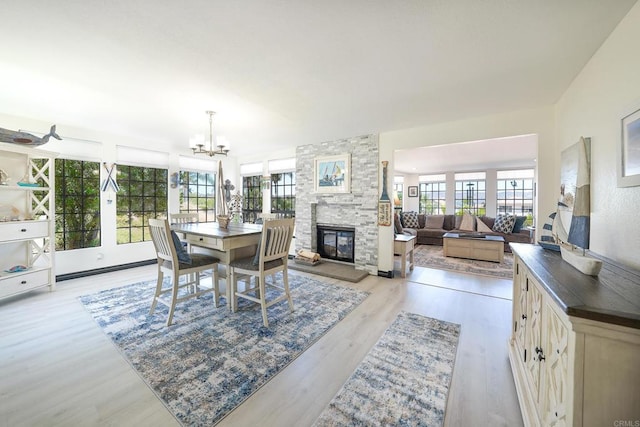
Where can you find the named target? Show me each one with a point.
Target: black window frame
(198, 194)
(77, 204)
(143, 195)
(470, 195)
(433, 197)
(283, 192)
(513, 191)
(251, 197)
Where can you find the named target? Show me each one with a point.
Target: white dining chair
(176, 263)
(184, 218)
(271, 257)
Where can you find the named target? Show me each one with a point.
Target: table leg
(411, 259)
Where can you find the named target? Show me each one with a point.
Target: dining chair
(271, 257)
(175, 262)
(184, 218)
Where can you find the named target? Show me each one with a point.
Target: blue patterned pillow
(504, 224)
(183, 256)
(519, 224)
(410, 219)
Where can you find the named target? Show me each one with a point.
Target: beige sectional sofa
(428, 234)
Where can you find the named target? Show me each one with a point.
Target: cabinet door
(555, 365)
(520, 306)
(533, 335)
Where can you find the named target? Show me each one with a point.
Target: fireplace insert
(336, 242)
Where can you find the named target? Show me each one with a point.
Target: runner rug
(210, 360)
(431, 256)
(403, 380)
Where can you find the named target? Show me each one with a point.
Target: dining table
(237, 240)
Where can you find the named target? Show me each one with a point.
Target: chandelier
(198, 145)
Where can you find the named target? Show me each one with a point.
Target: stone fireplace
(357, 210)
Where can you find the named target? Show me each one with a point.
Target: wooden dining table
(238, 240)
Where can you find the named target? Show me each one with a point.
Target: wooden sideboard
(575, 343)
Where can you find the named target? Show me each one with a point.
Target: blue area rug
(210, 360)
(403, 380)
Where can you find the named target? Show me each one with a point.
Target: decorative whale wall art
(23, 138)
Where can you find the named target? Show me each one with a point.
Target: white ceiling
(515, 152)
(284, 73)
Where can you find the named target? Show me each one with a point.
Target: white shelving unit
(27, 216)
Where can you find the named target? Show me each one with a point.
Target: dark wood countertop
(611, 297)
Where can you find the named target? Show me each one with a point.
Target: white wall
(592, 107)
(539, 121)
(104, 149)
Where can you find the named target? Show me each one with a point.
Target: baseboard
(79, 274)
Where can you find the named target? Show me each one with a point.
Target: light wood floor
(57, 368)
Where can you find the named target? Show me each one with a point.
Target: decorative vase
(223, 221)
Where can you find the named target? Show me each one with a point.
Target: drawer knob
(23, 230)
(24, 282)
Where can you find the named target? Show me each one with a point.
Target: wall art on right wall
(629, 149)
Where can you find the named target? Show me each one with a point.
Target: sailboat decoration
(572, 220)
(549, 235)
(222, 210)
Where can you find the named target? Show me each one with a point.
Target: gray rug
(403, 380)
(431, 256)
(210, 360)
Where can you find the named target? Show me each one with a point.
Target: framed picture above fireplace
(332, 174)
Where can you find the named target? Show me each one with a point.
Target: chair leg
(158, 289)
(232, 288)
(263, 301)
(285, 279)
(174, 296)
(216, 286)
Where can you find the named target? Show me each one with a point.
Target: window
(283, 194)
(252, 197)
(198, 194)
(142, 195)
(470, 194)
(398, 190)
(433, 194)
(515, 193)
(77, 200)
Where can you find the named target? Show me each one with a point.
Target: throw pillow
(519, 223)
(434, 221)
(409, 219)
(397, 223)
(183, 255)
(504, 224)
(481, 226)
(468, 222)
